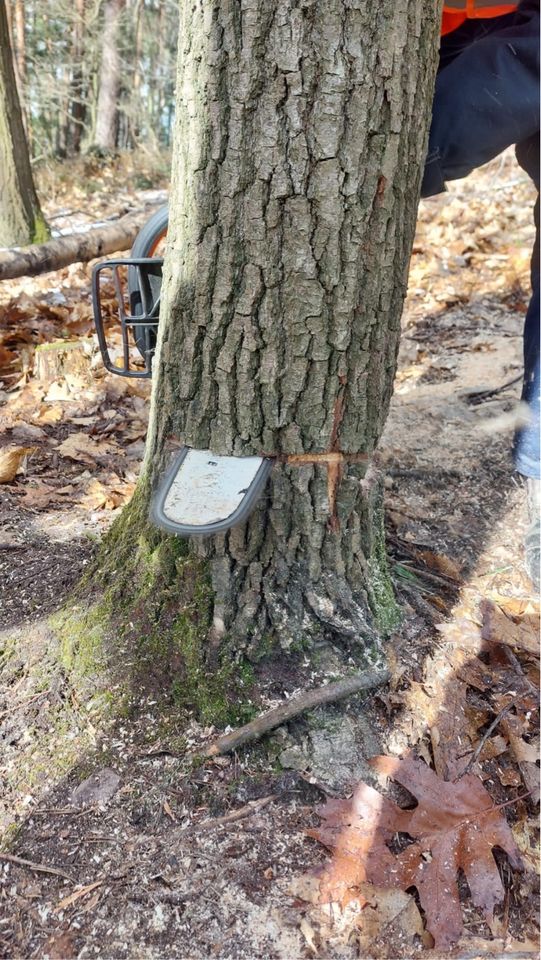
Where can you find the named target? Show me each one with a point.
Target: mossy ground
(54, 717)
(142, 614)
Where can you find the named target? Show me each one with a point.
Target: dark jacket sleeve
(486, 99)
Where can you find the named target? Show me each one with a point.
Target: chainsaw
(126, 297)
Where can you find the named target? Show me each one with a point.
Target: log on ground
(74, 248)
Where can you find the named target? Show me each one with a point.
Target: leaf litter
(454, 826)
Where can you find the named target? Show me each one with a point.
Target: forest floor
(114, 844)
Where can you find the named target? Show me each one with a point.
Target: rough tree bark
(21, 220)
(110, 74)
(300, 137)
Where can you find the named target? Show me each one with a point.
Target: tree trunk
(109, 86)
(20, 44)
(300, 137)
(77, 106)
(21, 220)
(136, 105)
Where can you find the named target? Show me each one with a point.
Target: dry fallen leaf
(441, 564)
(526, 834)
(110, 494)
(309, 934)
(516, 606)
(168, 811)
(49, 413)
(453, 827)
(521, 632)
(81, 447)
(41, 495)
(11, 460)
(26, 431)
(390, 918)
(60, 944)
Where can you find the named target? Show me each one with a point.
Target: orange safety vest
(455, 12)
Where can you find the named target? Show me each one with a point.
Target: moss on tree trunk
(300, 139)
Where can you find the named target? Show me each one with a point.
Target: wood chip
(74, 897)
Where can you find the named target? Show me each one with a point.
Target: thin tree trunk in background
(109, 82)
(12, 9)
(20, 43)
(77, 106)
(135, 96)
(21, 220)
(161, 68)
(300, 137)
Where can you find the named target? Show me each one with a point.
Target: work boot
(532, 547)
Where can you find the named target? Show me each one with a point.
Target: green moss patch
(149, 629)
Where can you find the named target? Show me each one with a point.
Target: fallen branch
(74, 248)
(35, 867)
(292, 708)
(475, 397)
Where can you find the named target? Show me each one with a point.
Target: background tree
(78, 105)
(300, 138)
(58, 57)
(109, 77)
(21, 220)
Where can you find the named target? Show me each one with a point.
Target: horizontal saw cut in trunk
(300, 137)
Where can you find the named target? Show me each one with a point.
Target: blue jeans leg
(526, 448)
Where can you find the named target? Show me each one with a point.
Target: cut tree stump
(63, 360)
(75, 248)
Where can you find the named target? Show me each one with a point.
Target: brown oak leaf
(454, 826)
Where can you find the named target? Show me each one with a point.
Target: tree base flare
(205, 624)
(292, 577)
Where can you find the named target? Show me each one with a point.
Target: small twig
(292, 708)
(173, 897)
(439, 580)
(474, 397)
(69, 213)
(240, 814)
(421, 607)
(23, 703)
(36, 867)
(74, 897)
(61, 812)
(476, 753)
(507, 803)
(152, 754)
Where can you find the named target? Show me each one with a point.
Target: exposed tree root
(330, 693)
